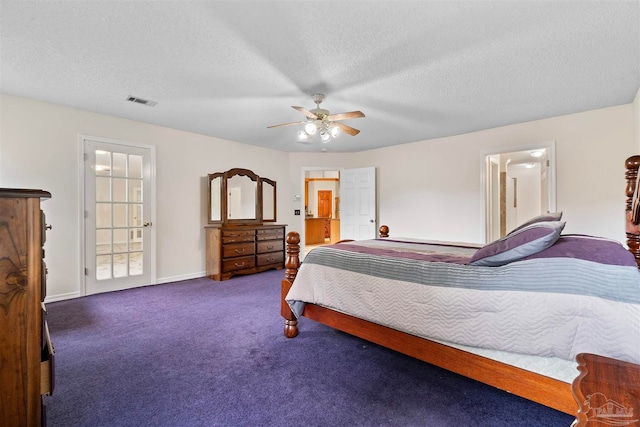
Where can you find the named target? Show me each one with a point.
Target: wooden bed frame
(606, 391)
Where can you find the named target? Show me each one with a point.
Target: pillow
(518, 244)
(550, 216)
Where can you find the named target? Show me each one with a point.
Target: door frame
(484, 180)
(81, 204)
(300, 199)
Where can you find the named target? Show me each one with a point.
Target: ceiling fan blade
(306, 112)
(345, 116)
(286, 124)
(346, 129)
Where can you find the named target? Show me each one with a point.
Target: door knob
(146, 223)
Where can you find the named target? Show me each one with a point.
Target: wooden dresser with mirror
(241, 235)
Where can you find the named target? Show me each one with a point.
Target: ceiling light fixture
(310, 128)
(326, 128)
(320, 121)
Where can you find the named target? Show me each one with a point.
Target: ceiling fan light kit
(310, 128)
(319, 119)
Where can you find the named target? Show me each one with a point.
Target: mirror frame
(261, 190)
(258, 217)
(223, 202)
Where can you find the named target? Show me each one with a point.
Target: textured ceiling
(418, 70)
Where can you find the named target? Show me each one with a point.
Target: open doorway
(518, 184)
(352, 205)
(321, 207)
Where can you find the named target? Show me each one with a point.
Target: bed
(589, 286)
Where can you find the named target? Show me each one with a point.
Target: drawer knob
(241, 264)
(240, 251)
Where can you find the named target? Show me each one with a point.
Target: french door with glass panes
(117, 216)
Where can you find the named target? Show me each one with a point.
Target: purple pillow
(549, 216)
(518, 244)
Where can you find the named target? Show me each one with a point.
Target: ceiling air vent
(142, 101)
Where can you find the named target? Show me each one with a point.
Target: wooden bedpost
(292, 264)
(632, 207)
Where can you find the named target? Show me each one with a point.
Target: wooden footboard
(607, 392)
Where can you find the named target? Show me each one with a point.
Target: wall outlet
(296, 212)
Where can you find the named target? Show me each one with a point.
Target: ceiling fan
(320, 120)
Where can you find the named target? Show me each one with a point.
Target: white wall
(636, 120)
(39, 149)
(431, 189)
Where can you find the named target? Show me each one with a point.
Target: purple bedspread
(576, 246)
(589, 248)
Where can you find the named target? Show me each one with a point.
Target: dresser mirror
(215, 197)
(268, 200)
(242, 197)
(239, 196)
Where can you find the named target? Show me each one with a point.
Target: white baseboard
(181, 277)
(71, 295)
(61, 297)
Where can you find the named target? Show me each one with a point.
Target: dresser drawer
(270, 246)
(235, 236)
(47, 366)
(270, 258)
(270, 234)
(244, 249)
(238, 263)
(238, 249)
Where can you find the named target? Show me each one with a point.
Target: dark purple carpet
(205, 353)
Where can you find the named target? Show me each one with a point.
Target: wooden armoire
(26, 352)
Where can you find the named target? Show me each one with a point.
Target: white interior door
(117, 217)
(358, 204)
